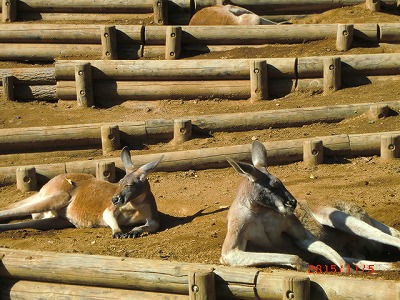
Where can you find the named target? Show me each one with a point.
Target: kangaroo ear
(244, 169)
(259, 155)
(126, 159)
(144, 170)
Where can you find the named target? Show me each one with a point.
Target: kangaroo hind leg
(42, 224)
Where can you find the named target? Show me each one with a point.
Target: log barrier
(133, 133)
(279, 152)
(47, 42)
(46, 273)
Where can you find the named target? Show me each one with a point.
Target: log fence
(47, 42)
(97, 277)
(111, 136)
(165, 11)
(280, 152)
(99, 82)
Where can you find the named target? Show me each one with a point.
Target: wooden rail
(47, 42)
(279, 152)
(47, 273)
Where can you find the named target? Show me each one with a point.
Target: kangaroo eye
(274, 183)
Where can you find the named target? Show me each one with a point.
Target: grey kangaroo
(81, 200)
(262, 218)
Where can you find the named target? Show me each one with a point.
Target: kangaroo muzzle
(117, 200)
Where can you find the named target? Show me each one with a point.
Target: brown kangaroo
(81, 200)
(262, 218)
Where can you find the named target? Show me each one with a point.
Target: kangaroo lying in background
(227, 15)
(262, 218)
(81, 200)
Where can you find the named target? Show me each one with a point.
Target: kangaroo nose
(116, 200)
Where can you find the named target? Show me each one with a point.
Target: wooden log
(344, 37)
(31, 76)
(332, 75)
(313, 152)
(173, 42)
(201, 285)
(296, 288)
(110, 139)
(160, 11)
(279, 152)
(373, 5)
(36, 92)
(109, 6)
(9, 10)
(82, 17)
(26, 179)
(36, 290)
(390, 147)
(182, 131)
(109, 43)
(84, 85)
(258, 80)
(389, 33)
(106, 171)
(378, 111)
(8, 88)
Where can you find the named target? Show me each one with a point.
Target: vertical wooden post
(373, 5)
(160, 11)
(258, 80)
(84, 85)
(26, 179)
(110, 140)
(344, 37)
(390, 147)
(182, 131)
(106, 171)
(378, 111)
(173, 39)
(8, 10)
(8, 87)
(109, 42)
(296, 288)
(313, 152)
(201, 285)
(332, 74)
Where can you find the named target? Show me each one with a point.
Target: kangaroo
(228, 15)
(262, 218)
(81, 200)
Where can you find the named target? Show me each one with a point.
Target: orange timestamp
(347, 269)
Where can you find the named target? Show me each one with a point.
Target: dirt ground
(193, 204)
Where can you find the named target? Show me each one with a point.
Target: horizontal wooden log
(389, 33)
(278, 151)
(35, 92)
(83, 17)
(98, 6)
(88, 135)
(257, 34)
(36, 290)
(31, 76)
(67, 33)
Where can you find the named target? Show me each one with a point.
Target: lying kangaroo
(81, 200)
(227, 15)
(262, 218)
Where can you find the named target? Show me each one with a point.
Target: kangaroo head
(135, 183)
(266, 189)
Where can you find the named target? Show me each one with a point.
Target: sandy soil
(193, 204)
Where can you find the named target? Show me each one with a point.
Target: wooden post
(84, 85)
(26, 179)
(378, 111)
(296, 288)
(373, 5)
(390, 147)
(201, 285)
(110, 140)
(332, 73)
(258, 80)
(8, 87)
(313, 152)
(182, 131)
(160, 9)
(109, 42)
(344, 37)
(106, 171)
(173, 38)
(9, 10)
